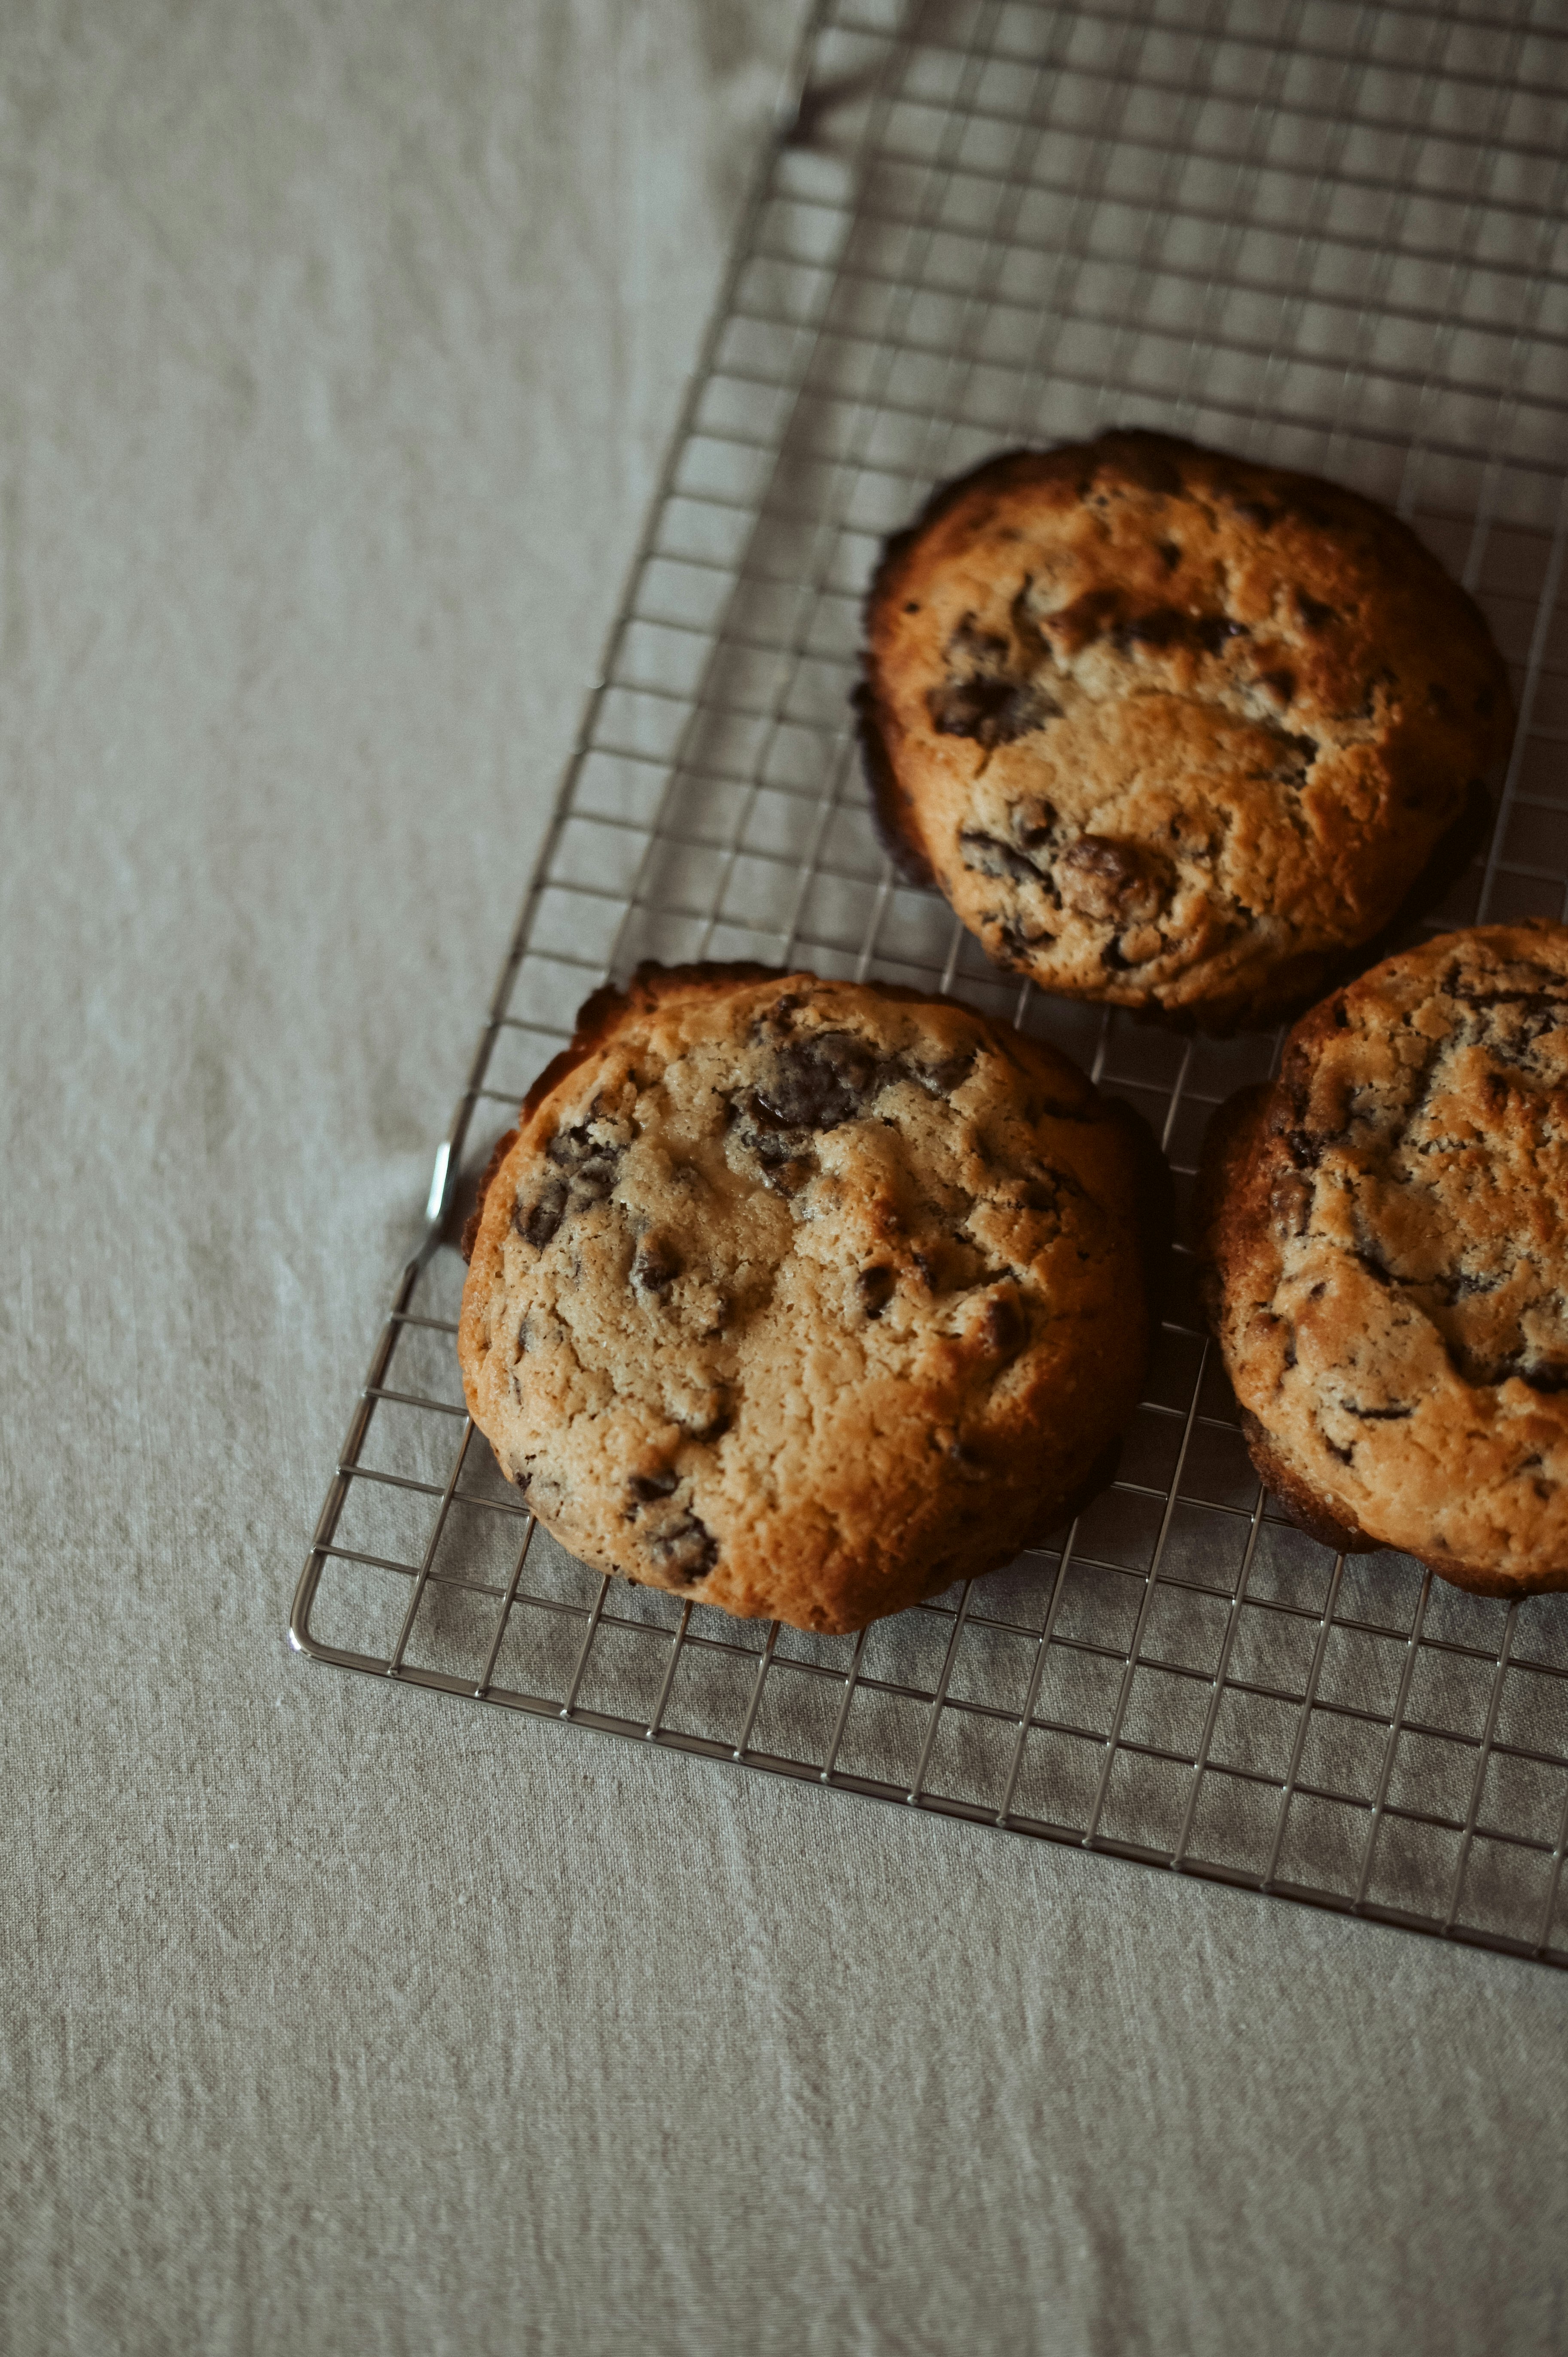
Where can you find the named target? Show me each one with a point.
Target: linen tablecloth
(341, 344)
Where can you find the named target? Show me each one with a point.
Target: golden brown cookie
(807, 1298)
(1385, 1232)
(1172, 730)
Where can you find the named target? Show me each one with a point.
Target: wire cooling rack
(1325, 235)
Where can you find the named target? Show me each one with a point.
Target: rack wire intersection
(1337, 239)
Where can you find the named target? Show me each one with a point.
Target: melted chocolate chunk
(646, 1487)
(991, 708)
(656, 1265)
(1167, 625)
(1018, 943)
(987, 855)
(591, 1165)
(584, 1172)
(819, 1081)
(1114, 881)
(1547, 1376)
(1034, 829)
(1074, 627)
(949, 1074)
(686, 1545)
(536, 1223)
(1164, 628)
(1006, 1328)
(876, 1289)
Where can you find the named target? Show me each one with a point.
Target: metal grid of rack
(1328, 234)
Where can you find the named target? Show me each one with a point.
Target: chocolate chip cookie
(806, 1298)
(1175, 731)
(1386, 1236)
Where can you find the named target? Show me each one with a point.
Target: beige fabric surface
(342, 341)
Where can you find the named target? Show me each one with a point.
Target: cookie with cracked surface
(806, 1298)
(1175, 731)
(1385, 1237)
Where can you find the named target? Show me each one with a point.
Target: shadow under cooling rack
(1340, 245)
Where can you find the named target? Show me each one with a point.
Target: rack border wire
(917, 277)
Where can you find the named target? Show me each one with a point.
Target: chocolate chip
(1215, 630)
(987, 855)
(1018, 943)
(1073, 628)
(1377, 1414)
(1167, 625)
(949, 1074)
(645, 1486)
(1315, 615)
(876, 1289)
(991, 709)
(537, 1223)
(1006, 1328)
(1547, 1376)
(685, 1545)
(1164, 628)
(1114, 881)
(591, 1163)
(1038, 828)
(817, 1083)
(656, 1265)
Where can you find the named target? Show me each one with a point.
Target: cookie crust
(1172, 730)
(1384, 1232)
(807, 1298)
